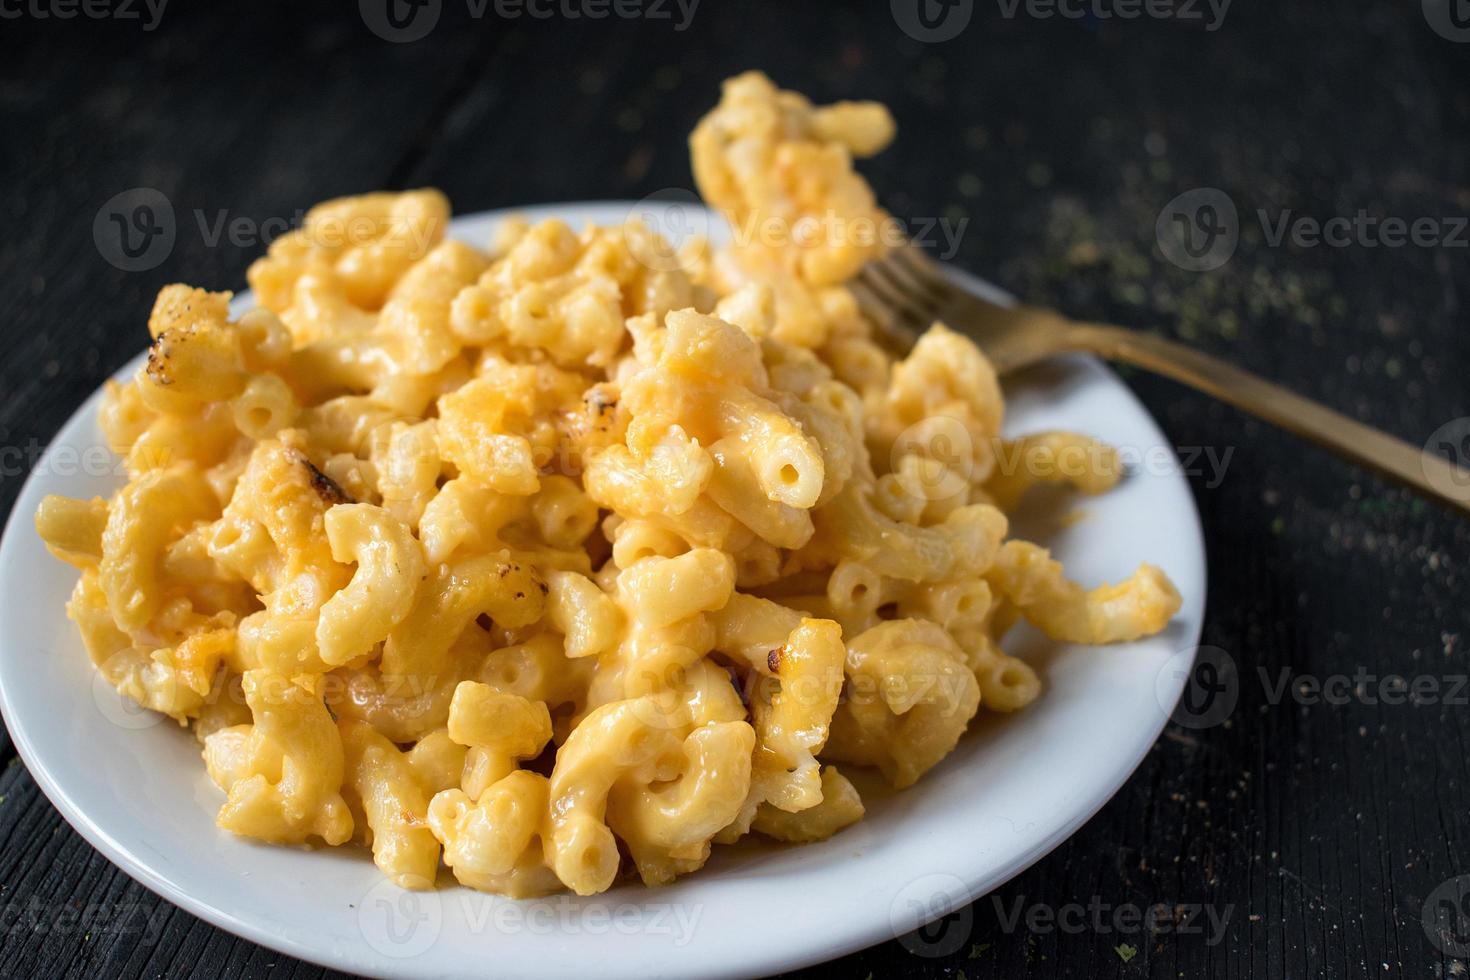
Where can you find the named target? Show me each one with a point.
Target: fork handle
(1416, 468)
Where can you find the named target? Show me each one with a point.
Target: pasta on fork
(543, 562)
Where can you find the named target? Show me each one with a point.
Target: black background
(1320, 829)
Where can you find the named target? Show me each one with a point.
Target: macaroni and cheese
(541, 562)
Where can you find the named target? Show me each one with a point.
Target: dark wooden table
(1314, 828)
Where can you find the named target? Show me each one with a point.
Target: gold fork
(906, 291)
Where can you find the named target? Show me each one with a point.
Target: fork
(905, 291)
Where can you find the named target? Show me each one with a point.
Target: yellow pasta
(393, 804)
(390, 564)
(571, 555)
(839, 807)
(285, 786)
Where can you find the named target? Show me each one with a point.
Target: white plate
(1014, 789)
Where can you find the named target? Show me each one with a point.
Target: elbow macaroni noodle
(545, 564)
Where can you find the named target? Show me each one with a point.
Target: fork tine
(914, 292)
(889, 330)
(915, 263)
(873, 307)
(916, 307)
(876, 298)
